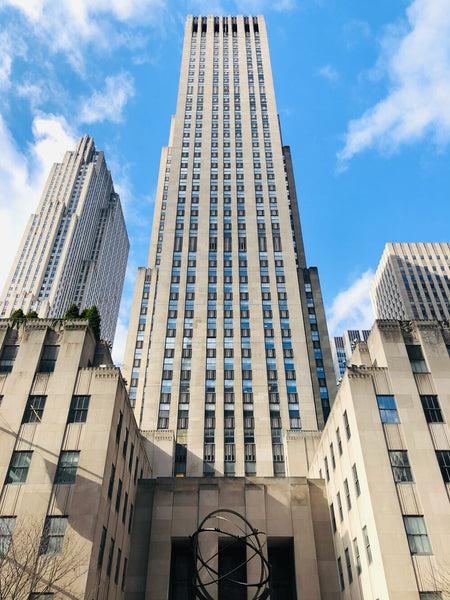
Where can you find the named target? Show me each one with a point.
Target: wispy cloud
(329, 72)
(352, 308)
(416, 60)
(108, 105)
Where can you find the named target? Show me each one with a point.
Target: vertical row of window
(357, 558)
(137, 359)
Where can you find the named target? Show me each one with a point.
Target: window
(333, 460)
(348, 565)
(6, 531)
(347, 495)
(53, 535)
(357, 556)
(125, 442)
(124, 573)
(125, 506)
(401, 468)
(67, 466)
(417, 535)
(367, 544)
(443, 457)
(78, 409)
(110, 557)
(48, 359)
(356, 480)
(111, 481)
(327, 472)
(388, 410)
(7, 358)
(18, 467)
(117, 571)
(432, 409)
(339, 503)
(119, 427)
(34, 409)
(333, 517)
(119, 494)
(430, 595)
(341, 573)
(339, 441)
(130, 518)
(347, 425)
(101, 550)
(415, 355)
(41, 596)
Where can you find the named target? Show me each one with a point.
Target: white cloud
(109, 104)
(417, 63)
(329, 72)
(22, 177)
(352, 308)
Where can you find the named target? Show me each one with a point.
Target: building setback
(412, 282)
(75, 247)
(228, 347)
(385, 457)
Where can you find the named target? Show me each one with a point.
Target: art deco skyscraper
(412, 282)
(75, 247)
(228, 350)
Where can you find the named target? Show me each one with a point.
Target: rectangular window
(339, 503)
(7, 358)
(53, 536)
(417, 535)
(339, 441)
(119, 426)
(18, 467)
(124, 573)
(125, 506)
(111, 481)
(356, 480)
(347, 425)
(348, 565)
(333, 518)
(118, 561)
(401, 468)
(41, 596)
(347, 495)
(327, 472)
(443, 457)
(341, 573)
(415, 355)
(130, 518)
(387, 408)
(367, 544)
(67, 466)
(101, 550)
(6, 531)
(432, 409)
(118, 495)
(78, 409)
(333, 460)
(48, 359)
(357, 556)
(110, 557)
(34, 409)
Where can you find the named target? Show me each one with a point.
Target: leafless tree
(30, 565)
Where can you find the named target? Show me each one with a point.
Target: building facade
(228, 346)
(385, 457)
(75, 247)
(71, 457)
(412, 282)
(342, 348)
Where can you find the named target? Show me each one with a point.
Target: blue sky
(363, 92)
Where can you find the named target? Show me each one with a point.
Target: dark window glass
(432, 409)
(78, 409)
(53, 536)
(401, 468)
(443, 457)
(388, 410)
(34, 409)
(67, 466)
(7, 358)
(48, 359)
(18, 467)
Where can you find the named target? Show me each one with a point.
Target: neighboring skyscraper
(412, 282)
(228, 346)
(342, 348)
(385, 456)
(75, 248)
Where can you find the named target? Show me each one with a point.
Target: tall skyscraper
(412, 282)
(75, 247)
(342, 348)
(228, 347)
